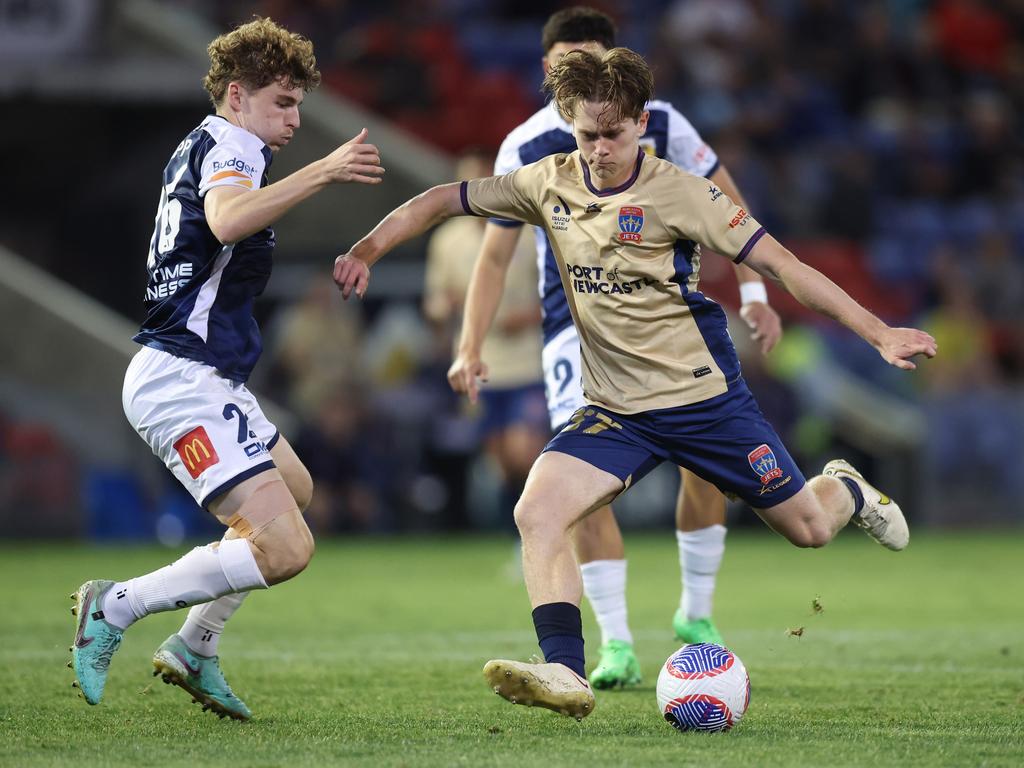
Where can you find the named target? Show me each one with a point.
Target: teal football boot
(617, 666)
(695, 631)
(95, 640)
(200, 676)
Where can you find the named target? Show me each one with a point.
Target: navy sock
(560, 635)
(858, 497)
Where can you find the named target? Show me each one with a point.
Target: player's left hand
(351, 273)
(898, 345)
(765, 324)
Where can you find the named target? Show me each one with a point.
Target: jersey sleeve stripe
(712, 169)
(228, 175)
(464, 197)
(505, 223)
(237, 178)
(750, 244)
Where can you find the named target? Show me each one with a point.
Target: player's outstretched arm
(233, 213)
(414, 217)
(764, 322)
(486, 285)
(815, 291)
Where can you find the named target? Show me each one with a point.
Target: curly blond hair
(620, 77)
(257, 54)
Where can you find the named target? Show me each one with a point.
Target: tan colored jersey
(512, 358)
(630, 263)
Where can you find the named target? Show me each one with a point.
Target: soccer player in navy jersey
(660, 373)
(184, 391)
(700, 506)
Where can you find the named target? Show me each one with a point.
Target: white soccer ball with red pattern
(703, 687)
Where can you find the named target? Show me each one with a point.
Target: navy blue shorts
(504, 408)
(725, 440)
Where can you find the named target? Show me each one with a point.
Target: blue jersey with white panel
(669, 135)
(200, 295)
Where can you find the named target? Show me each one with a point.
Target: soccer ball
(703, 687)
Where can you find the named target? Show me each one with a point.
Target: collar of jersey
(614, 190)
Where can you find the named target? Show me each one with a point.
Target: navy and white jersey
(669, 135)
(200, 295)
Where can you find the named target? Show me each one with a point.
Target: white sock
(205, 623)
(604, 584)
(700, 556)
(199, 576)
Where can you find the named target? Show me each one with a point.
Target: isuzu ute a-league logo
(631, 221)
(561, 216)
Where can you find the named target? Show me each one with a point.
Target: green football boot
(696, 631)
(95, 640)
(200, 676)
(617, 666)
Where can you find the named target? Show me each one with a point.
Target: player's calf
(284, 550)
(271, 521)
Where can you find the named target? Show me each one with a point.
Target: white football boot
(881, 517)
(552, 686)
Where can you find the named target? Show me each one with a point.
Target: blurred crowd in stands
(882, 140)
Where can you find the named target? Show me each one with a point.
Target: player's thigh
(210, 432)
(727, 441)
(294, 472)
(700, 503)
(563, 372)
(561, 489)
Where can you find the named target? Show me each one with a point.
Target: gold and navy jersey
(200, 295)
(669, 135)
(629, 261)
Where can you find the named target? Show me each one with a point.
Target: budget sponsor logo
(235, 163)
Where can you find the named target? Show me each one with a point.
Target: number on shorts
(563, 373)
(230, 411)
(601, 423)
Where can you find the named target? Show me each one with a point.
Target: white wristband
(751, 293)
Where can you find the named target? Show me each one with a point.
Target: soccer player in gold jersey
(660, 372)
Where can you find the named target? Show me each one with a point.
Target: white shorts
(209, 431)
(563, 374)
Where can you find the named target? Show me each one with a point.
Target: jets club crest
(762, 460)
(631, 221)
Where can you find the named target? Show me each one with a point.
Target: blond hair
(620, 78)
(257, 54)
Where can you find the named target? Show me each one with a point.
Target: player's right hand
(898, 345)
(466, 374)
(355, 160)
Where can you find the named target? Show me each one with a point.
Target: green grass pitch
(373, 656)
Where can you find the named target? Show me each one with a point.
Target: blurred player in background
(185, 392)
(700, 506)
(513, 424)
(660, 373)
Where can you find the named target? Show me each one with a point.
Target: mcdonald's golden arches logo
(196, 451)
